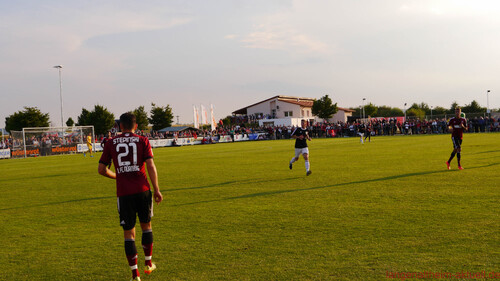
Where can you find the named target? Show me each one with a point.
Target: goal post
(45, 141)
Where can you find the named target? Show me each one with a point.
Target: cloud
(268, 37)
(65, 29)
(283, 30)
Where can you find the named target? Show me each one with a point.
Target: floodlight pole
(59, 67)
(431, 112)
(488, 102)
(405, 110)
(364, 109)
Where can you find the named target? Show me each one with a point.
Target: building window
(288, 113)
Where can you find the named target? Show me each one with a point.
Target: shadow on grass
(482, 152)
(226, 183)
(32, 178)
(57, 203)
(333, 185)
(165, 190)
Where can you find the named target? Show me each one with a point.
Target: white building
(288, 111)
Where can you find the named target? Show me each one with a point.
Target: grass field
(236, 212)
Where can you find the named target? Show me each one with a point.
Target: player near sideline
(129, 152)
(361, 132)
(89, 145)
(457, 125)
(369, 131)
(301, 137)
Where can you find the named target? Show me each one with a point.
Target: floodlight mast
(59, 67)
(488, 102)
(364, 109)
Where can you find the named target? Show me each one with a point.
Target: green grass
(236, 212)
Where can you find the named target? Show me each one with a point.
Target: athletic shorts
(457, 142)
(299, 151)
(131, 206)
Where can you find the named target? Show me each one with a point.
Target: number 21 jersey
(129, 153)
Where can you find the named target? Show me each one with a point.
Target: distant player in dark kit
(301, 137)
(361, 132)
(105, 139)
(129, 152)
(103, 143)
(457, 125)
(368, 133)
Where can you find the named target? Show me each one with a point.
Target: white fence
(82, 147)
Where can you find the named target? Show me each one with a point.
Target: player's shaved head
(127, 121)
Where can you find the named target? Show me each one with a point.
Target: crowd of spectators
(376, 126)
(41, 141)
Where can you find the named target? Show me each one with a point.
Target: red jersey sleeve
(106, 156)
(148, 152)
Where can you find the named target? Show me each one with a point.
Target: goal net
(44, 141)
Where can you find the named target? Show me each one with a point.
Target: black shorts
(457, 142)
(131, 206)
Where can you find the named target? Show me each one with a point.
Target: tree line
(99, 117)
(419, 110)
(324, 108)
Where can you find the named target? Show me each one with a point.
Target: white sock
(293, 160)
(307, 166)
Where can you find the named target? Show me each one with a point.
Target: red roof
(346, 109)
(305, 103)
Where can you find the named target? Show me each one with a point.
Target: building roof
(176, 129)
(305, 102)
(346, 109)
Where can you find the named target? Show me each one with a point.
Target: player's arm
(308, 137)
(450, 127)
(104, 171)
(153, 176)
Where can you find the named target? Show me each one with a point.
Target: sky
(123, 54)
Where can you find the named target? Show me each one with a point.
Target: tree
(161, 117)
(323, 108)
(70, 122)
(370, 110)
(227, 121)
(29, 117)
(439, 110)
(142, 118)
(396, 112)
(383, 111)
(83, 118)
(452, 108)
(99, 117)
(357, 112)
(423, 106)
(473, 107)
(416, 112)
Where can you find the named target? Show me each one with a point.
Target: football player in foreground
(457, 125)
(301, 137)
(129, 152)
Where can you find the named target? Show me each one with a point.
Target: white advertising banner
(83, 147)
(225, 138)
(4, 153)
(241, 137)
